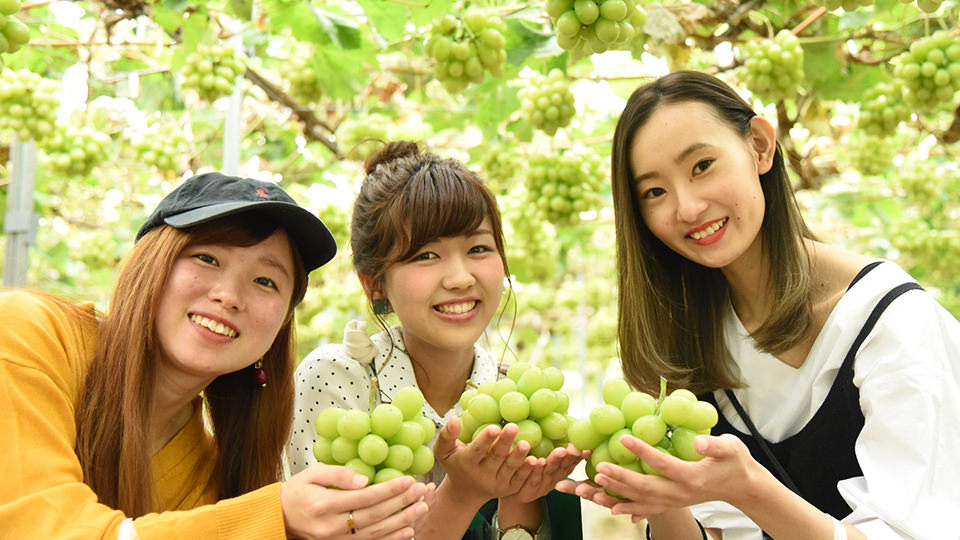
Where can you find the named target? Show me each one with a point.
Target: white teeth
(708, 231)
(214, 326)
(457, 308)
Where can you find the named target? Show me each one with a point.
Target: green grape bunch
(162, 147)
(930, 72)
(304, 84)
(594, 26)
(669, 424)
(530, 397)
(773, 68)
(14, 34)
(547, 102)
(882, 109)
(74, 151)
(212, 70)
(28, 104)
(464, 49)
(386, 443)
(564, 184)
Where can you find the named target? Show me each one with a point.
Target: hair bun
(392, 150)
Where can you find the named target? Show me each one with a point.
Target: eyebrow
(270, 261)
(680, 157)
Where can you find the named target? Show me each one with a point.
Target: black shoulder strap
(847, 365)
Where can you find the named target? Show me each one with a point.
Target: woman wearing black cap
(167, 417)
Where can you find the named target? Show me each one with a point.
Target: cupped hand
(487, 467)
(319, 502)
(723, 474)
(547, 472)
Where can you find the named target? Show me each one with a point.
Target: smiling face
(446, 294)
(222, 306)
(697, 182)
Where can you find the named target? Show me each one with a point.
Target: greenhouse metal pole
(20, 223)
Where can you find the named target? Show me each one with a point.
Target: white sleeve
(327, 377)
(908, 373)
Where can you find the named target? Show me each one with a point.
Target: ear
(763, 141)
(371, 289)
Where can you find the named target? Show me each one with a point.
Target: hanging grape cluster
(463, 49)
(930, 71)
(773, 68)
(564, 184)
(882, 109)
(299, 71)
(359, 137)
(926, 6)
(669, 424)
(212, 70)
(28, 106)
(13, 33)
(74, 151)
(384, 444)
(594, 26)
(847, 5)
(530, 397)
(547, 102)
(162, 146)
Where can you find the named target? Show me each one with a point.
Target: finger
(662, 462)
(567, 486)
(502, 446)
(513, 461)
(446, 441)
(347, 501)
(394, 525)
(388, 507)
(334, 476)
(528, 474)
(479, 448)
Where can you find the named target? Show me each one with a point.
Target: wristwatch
(516, 532)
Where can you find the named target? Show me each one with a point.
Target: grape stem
(663, 393)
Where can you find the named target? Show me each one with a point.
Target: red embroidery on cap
(262, 193)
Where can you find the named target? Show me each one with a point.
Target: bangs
(241, 230)
(436, 203)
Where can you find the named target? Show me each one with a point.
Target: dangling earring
(259, 374)
(381, 306)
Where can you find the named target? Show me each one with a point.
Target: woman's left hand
(547, 472)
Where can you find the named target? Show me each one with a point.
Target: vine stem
(809, 20)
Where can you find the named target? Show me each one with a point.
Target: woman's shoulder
(22, 310)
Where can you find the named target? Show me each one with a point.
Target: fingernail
(359, 481)
(422, 508)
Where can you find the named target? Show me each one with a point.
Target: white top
(332, 376)
(908, 374)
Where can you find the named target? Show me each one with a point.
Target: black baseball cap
(214, 195)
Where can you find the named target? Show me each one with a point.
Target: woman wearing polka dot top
(428, 245)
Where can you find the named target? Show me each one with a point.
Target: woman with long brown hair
(836, 377)
(167, 416)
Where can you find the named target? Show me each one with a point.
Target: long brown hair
(409, 199)
(671, 309)
(250, 424)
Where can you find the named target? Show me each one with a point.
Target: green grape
(675, 410)
(637, 404)
(304, 83)
(28, 106)
(164, 147)
(531, 381)
(553, 378)
(502, 387)
(410, 434)
(423, 460)
(359, 466)
(606, 419)
(650, 429)
(484, 408)
(468, 427)
(514, 406)
(882, 109)
(614, 390)
(601, 454)
(647, 468)
(14, 34)
(593, 26)
(410, 401)
(515, 371)
(386, 474)
(563, 402)
(343, 449)
(386, 419)
(75, 151)
(618, 452)
(372, 449)
(554, 426)
(9, 7)
(212, 70)
(322, 450)
(399, 457)
(429, 428)
(564, 184)
(543, 449)
(326, 422)
(529, 431)
(682, 441)
(773, 68)
(353, 424)
(703, 415)
(542, 403)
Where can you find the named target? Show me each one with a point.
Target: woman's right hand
(487, 467)
(318, 503)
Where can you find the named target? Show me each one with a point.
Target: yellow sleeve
(45, 351)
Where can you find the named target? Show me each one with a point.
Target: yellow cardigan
(45, 353)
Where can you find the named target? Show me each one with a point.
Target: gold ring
(351, 524)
